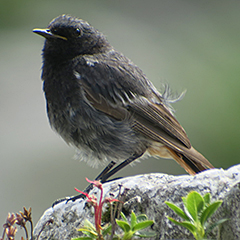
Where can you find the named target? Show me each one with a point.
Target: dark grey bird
(103, 104)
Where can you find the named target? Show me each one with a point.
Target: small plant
(99, 232)
(136, 224)
(19, 219)
(197, 210)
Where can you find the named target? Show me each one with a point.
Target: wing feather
(123, 94)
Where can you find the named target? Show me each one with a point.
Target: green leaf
(211, 227)
(127, 235)
(177, 210)
(106, 229)
(188, 214)
(145, 234)
(89, 225)
(88, 232)
(207, 198)
(185, 224)
(123, 216)
(208, 212)
(195, 204)
(123, 225)
(142, 225)
(142, 217)
(184, 199)
(133, 219)
(88, 229)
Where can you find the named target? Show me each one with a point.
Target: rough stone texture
(147, 194)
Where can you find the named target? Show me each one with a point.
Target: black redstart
(103, 104)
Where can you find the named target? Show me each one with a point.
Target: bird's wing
(122, 91)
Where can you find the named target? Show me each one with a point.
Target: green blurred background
(189, 44)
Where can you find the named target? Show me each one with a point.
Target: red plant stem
(96, 218)
(98, 213)
(100, 206)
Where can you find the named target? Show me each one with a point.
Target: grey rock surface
(147, 194)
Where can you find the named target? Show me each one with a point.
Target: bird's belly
(97, 137)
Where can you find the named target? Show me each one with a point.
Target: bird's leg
(105, 170)
(99, 177)
(106, 176)
(103, 176)
(89, 187)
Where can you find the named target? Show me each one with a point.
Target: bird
(101, 103)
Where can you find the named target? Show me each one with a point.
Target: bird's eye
(54, 31)
(77, 32)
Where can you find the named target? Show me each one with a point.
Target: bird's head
(67, 37)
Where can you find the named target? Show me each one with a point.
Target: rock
(147, 194)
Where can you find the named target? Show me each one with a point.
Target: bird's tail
(190, 159)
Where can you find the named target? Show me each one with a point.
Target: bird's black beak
(47, 33)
